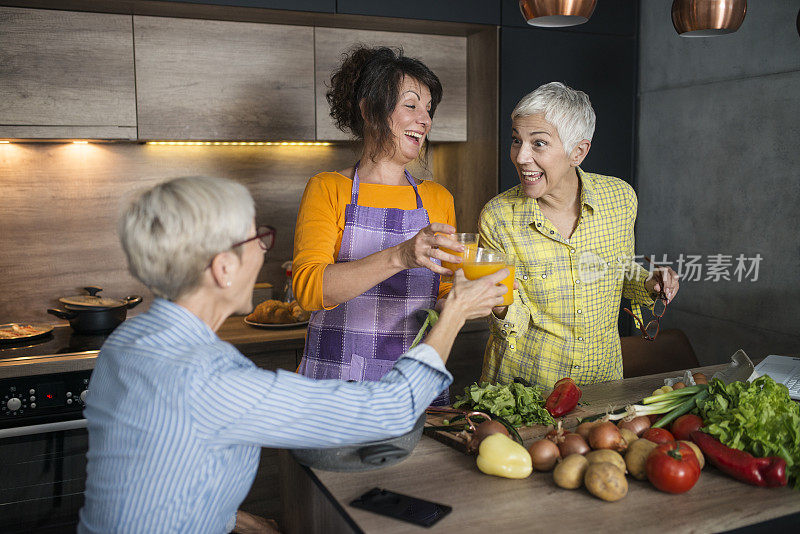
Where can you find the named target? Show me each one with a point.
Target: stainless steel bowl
(363, 456)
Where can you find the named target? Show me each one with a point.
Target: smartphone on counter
(403, 507)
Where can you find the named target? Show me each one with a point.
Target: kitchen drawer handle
(42, 429)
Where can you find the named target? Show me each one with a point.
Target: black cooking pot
(364, 456)
(93, 314)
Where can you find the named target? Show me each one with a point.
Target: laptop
(783, 369)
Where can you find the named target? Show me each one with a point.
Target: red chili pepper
(564, 398)
(743, 466)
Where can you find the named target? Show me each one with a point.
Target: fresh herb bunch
(757, 417)
(519, 405)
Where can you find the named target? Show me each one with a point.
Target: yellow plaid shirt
(563, 321)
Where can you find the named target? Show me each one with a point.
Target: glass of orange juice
(483, 261)
(470, 242)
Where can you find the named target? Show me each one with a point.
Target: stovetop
(62, 340)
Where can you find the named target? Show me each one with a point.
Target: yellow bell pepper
(501, 456)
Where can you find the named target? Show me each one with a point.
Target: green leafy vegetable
(517, 404)
(757, 417)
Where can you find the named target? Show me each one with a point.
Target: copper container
(556, 13)
(707, 18)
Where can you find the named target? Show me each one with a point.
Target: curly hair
(373, 75)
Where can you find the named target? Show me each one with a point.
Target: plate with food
(16, 332)
(274, 314)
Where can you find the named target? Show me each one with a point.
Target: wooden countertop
(483, 503)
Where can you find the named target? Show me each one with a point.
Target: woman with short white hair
(572, 235)
(176, 416)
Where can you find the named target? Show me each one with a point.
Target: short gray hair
(170, 232)
(569, 110)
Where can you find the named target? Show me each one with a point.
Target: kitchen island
(483, 503)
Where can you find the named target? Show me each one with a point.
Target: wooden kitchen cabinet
(206, 79)
(66, 75)
(445, 55)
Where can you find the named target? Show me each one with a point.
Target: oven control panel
(42, 398)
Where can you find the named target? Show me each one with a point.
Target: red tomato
(658, 435)
(685, 425)
(673, 468)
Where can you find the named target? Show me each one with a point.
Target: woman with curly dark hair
(366, 249)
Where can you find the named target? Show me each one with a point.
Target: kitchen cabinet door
(66, 75)
(472, 11)
(205, 79)
(445, 55)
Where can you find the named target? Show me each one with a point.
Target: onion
(573, 444)
(637, 425)
(606, 436)
(557, 434)
(481, 431)
(584, 429)
(544, 454)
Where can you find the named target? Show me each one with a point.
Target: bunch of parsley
(757, 417)
(519, 405)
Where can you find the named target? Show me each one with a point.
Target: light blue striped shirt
(176, 419)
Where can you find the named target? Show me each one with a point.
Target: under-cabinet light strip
(239, 143)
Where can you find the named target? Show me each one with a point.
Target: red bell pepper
(564, 398)
(769, 472)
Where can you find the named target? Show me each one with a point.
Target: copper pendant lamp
(556, 13)
(707, 18)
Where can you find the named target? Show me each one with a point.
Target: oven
(43, 438)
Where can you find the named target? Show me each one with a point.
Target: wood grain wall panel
(446, 56)
(60, 202)
(204, 79)
(470, 170)
(72, 71)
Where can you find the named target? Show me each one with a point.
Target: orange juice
(455, 266)
(470, 242)
(473, 271)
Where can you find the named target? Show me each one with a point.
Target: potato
(607, 456)
(700, 458)
(606, 481)
(636, 457)
(569, 473)
(629, 436)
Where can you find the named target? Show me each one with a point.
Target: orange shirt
(320, 224)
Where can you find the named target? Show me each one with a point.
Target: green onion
(678, 393)
(431, 319)
(682, 409)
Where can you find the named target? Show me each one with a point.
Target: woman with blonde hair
(177, 417)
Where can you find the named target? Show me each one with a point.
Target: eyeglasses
(264, 234)
(650, 330)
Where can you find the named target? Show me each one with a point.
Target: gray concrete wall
(718, 172)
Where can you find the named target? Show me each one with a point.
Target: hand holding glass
(482, 261)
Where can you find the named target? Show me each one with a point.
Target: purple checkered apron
(362, 338)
